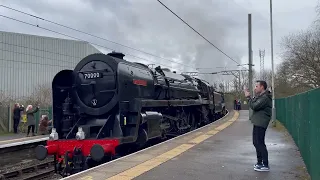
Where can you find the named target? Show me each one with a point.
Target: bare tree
(5, 98)
(266, 76)
(244, 80)
(302, 59)
(316, 23)
(300, 69)
(221, 87)
(41, 95)
(282, 82)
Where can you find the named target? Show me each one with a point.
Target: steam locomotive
(107, 105)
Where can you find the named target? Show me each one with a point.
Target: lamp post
(250, 58)
(273, 117)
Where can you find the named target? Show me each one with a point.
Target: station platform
(15, 148)
(222, 150)
(11, 136)
(20, 139)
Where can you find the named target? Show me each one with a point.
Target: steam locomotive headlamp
(80, 134)
(54, 134)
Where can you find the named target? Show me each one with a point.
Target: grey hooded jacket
(30, 116)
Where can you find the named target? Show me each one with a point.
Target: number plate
(92, 75)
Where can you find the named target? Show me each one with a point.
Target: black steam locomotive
(107, 105)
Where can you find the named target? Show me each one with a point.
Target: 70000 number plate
(92, 75)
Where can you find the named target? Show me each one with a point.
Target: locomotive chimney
(116, 54)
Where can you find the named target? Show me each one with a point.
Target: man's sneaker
(256, 165)
(261, 168)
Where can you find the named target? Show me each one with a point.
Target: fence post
(37, 118)
(9, 118)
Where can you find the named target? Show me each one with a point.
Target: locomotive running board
(164, 103)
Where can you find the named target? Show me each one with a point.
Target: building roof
(49, 38)
(46, 37)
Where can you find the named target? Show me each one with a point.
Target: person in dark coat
(261, 115)
(30, 118)
(16, 116)
(44, 124)
(239, 104)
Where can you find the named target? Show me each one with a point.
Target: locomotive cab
(63, 114)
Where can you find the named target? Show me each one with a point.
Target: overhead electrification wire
(27, 62)
(198, 32)
(78, 39)
(40, 18)
(26, 54)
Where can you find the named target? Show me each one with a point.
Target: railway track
(15, 154)
(33, 172)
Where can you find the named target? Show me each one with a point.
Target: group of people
(31, 121)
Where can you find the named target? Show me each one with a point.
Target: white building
(27, 61)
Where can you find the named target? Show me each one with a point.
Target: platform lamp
(273, 117)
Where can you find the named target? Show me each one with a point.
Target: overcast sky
(148, 26)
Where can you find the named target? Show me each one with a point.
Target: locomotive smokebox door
(96, 84)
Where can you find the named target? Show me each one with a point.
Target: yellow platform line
(154, 162)
(212, 132)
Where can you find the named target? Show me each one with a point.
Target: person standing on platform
(239, 105)
(235, 104)
(16, 116)
(261, 106)
(30, 118)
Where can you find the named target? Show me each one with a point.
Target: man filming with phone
(261, 106)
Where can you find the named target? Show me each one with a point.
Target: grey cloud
(146, 25)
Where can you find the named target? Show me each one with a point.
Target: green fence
(4, 119)
(299, 114)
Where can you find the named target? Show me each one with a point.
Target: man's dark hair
(262, 83)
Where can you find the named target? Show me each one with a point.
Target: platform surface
(11, 136)
(222, 150)
(230, 155)
(20, 139)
